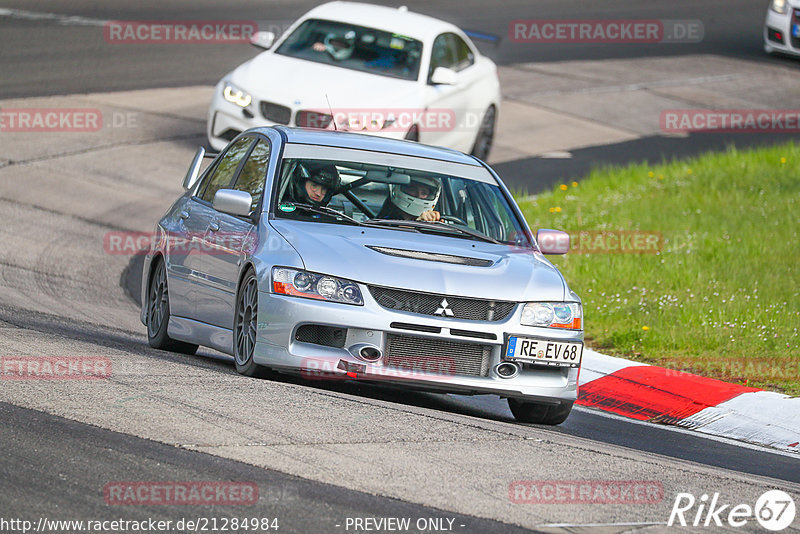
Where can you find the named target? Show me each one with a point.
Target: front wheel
(540, 414)
(485, 138)
(245, 323)
(158, 314)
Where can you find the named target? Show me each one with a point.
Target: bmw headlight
(298, 283)
(235, 95)
(553, 315)
(778, 6)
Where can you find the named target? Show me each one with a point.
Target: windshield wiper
(435, 226)
(324, 210)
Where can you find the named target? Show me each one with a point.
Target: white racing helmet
(339, 46)
(414, 205)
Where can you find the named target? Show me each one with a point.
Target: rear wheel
(245, 324)
(485, 138)
(540, 414)
(158, 314)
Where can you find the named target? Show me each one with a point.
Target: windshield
(354, 47)
(355, 193)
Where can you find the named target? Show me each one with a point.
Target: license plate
(545, 351)
(795, 30)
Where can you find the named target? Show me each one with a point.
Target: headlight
(553, 315)
(778, 6)
(236, 96)
(287, 281)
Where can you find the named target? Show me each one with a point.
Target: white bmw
(364, 68)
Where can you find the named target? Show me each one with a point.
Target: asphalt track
(57, 465)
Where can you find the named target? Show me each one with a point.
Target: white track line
(64, 20)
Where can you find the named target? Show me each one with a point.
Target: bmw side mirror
(233, 202)
(263, 40)
(194, 169)
(552, 241)
(444, 76)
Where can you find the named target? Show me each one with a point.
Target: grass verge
(720, 296)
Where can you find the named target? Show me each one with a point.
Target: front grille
(428, 304)
(439, 356)
(276, 112)
(318, 334)
(312, 119)
(416, 327)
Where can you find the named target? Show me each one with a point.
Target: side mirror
(233, 202)
(553, 241)
(444, 76)
(263, 40)
(194, 169)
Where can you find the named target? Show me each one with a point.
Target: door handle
(214, 226)
(184, 215)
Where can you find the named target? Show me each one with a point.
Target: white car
(782, 27)
(364, 68)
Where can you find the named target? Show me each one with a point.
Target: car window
(363, 195)
(354, 47)
(442, 54)
(221, 176)
(254, 173)
(463, 53)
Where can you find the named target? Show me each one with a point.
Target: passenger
(413, 201)
(313, 182)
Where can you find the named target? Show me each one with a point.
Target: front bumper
(778, 31)
(277, 347)
(227, 120)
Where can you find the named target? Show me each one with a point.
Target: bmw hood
(424, 262)
(303, 84)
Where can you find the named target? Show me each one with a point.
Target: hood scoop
(432, 256)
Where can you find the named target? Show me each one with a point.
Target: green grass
(721, 297)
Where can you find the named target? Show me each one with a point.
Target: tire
(158, 314)
(245, 324)
(413, 133)
(540, 414)
(485, 137)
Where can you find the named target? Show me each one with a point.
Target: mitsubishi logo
(444, 309)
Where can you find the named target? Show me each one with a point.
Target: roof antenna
(333, 118)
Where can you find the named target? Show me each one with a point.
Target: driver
(413, 201)
(339, 46)
(313, 182)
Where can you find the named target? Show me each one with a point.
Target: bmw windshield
(402, 199)
(354, 47)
